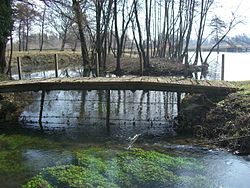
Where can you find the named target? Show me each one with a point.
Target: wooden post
(97, 65)
(56, 65)
(223, 67)
(19, 68)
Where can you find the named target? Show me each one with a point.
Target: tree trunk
(131, 48)
(190, 26)
(111, 37)
(20, 37)
(63, 44)
(98, 43)
(23, 37)
(105, 54)
(148, 23)
(2, 55)
(84, 49)
(64, 40)
(142, 51)
(120, 39)
(43, 20)
(118, 57)
(10, 57)
(6, 25)
(75, 46)
(27, 35)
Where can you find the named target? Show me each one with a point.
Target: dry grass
(41, 61)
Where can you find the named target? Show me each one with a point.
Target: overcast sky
(224, 9)
(241, 8)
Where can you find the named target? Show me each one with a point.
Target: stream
(71, 122)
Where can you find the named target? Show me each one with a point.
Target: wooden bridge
(173, 84)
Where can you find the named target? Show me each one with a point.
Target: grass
(42, 61)
(244, 87)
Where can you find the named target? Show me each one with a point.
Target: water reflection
(36, 159)
(115, 114)
(236, 66)
(68, 72)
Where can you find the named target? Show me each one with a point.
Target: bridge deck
(173, 84)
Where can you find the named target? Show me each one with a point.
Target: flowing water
(52, 131)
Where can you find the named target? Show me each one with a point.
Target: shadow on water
(102, 114)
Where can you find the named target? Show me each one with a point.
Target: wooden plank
(119, 83)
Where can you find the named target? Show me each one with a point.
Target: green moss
(10, 162)
(100, 167)
(3, 77)
(7, 108)
(15, 142)
(11, 149)
(71, 176)
(91, 162)
(148, 167)
(37, 182)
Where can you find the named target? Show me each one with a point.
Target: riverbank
(12, 104)
(224, 122)
(34, 61)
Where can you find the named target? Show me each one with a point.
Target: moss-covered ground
(12, 161)
(100, 167)
(225, 122)
(12, 104)
(229, 120)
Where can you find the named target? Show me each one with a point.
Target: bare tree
(103, 11)
(25, 16)
(232, 24)
(140, 45)
(79, 20)
(61, 17)
(218, 27)
(204, 8)
(127, 15)
(148, 6)
(42, 27)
